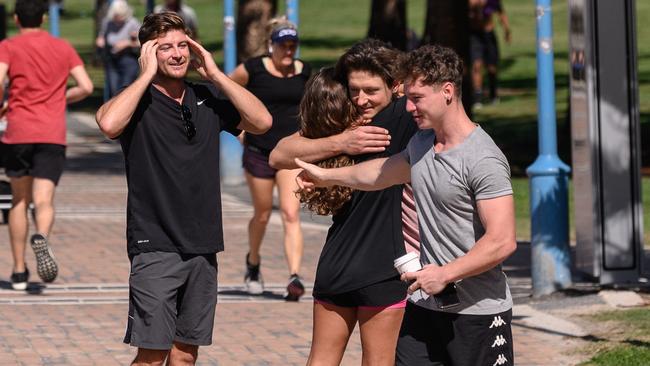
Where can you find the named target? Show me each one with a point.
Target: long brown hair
(326, 110)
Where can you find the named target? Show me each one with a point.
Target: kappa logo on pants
(501, 360)
(499, 341)
(497, 322)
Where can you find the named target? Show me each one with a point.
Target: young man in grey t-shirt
(463, 194)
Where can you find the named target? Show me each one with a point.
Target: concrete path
(80, 319)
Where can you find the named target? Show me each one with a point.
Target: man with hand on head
(169, 131)
(463, 194)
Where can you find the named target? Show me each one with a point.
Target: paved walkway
(80, 319)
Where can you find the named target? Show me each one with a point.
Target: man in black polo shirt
(169, 132)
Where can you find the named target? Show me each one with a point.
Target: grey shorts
(172, 298)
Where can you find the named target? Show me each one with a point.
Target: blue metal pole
(54, 18)
(231, 150)
(550, 255)
(293, 16)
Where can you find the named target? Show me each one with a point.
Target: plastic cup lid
(405, 258)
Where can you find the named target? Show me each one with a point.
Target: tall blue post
(551, 260)
(293, 16)
(54, 18)
(231, 150)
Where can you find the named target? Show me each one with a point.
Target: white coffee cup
(410, 262)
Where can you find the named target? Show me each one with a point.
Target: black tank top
(281, 96)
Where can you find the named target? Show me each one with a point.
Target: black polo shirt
(174, 199)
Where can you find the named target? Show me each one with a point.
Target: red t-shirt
(39, 66)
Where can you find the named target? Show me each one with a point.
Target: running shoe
(45, 262)
(253, 278)
(19, 280)
(295, 288)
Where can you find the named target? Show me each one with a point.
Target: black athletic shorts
(430, 337)
(483, 46)
(256, 162)
(385, 293)
(35, 160)
(172, 298)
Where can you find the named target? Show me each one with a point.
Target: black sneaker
(19, 280)
(45, 262)
(253, 278)
(295, 288)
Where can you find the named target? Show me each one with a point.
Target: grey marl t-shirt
(447, 186)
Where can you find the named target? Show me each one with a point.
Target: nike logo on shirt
(201, 101)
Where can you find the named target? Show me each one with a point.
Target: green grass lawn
(628, 345)
(328, 27)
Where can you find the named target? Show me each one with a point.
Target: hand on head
(148, 60)
(203, 63)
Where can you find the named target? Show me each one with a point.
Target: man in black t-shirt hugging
(169, 131)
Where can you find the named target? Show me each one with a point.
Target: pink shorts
(397, 305)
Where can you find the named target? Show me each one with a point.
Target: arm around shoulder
(353, 141)
(306, 149)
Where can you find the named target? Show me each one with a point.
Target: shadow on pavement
(265, 295)
(33, 288)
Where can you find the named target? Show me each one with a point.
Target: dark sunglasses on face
(188, 125)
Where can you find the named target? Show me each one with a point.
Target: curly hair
(434, 65)
(325, 110)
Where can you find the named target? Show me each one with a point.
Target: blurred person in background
(120, 49)
(38, 66)
(484, 48)
(278, 79)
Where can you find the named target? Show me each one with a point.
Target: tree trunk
(252, 19)
(447, 24)
(388, 22)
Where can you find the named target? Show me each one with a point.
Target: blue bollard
(550, 254)
(53, 13)
(293, 16)
(231, 150)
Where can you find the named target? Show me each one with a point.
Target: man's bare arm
(353, 141)
(371, 175)
(4, 68)
(114, 115)
(83, 87)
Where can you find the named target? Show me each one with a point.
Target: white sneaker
(253, 279)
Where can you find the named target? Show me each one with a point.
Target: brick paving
(80, 319)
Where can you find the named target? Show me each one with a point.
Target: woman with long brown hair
(325, 110)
